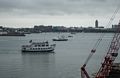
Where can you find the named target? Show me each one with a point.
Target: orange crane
(110, 56)
(108, 60)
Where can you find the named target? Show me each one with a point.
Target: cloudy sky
(27, 13)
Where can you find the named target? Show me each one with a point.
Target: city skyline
(27, 13)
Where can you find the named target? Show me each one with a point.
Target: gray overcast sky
(27, 13)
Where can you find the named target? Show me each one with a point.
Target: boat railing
(53, 45)
(26, 46)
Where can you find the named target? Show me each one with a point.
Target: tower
(96, 24)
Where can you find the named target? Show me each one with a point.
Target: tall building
(96, 24)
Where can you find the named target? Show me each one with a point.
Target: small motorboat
(60, 38)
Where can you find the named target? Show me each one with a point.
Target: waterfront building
(96, 24)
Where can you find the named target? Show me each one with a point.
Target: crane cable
(109, 23)
(101, 37)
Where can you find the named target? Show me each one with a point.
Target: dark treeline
(42, 28)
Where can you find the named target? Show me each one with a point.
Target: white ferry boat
(60, 38)
(38, 47)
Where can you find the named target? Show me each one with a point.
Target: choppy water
(64, 63)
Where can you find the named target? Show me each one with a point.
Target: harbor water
(65, 62)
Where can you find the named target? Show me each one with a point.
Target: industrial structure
(109, 59)
(107, 64)
(96, 24)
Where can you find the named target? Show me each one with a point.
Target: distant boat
(60, 38)
(38, 47)
(11, 34)
(70, 36)
(73, 32)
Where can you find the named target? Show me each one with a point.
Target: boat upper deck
(37, 44)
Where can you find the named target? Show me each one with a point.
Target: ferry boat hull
(38, 51)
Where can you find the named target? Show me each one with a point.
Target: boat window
(43, 45)
(47, 45)
(35, 45)
(39, 45)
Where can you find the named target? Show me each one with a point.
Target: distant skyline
(27, 13)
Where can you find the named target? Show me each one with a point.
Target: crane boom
(111, 55)
(108, 60)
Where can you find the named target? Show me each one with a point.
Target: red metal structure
(108, 59)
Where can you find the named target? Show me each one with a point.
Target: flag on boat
(30, 41)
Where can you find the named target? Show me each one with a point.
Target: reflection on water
(10, 66)
(38, 65)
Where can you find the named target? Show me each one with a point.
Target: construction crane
(110, 57)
